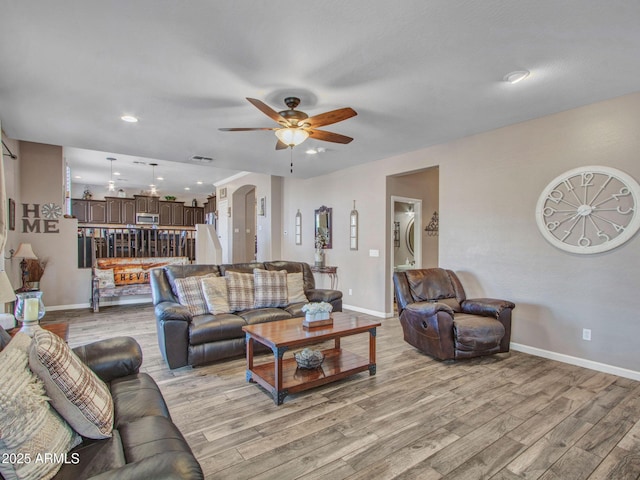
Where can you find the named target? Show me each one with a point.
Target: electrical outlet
(586, 334)
(350, 292)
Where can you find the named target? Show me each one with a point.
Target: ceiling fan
(296, 126)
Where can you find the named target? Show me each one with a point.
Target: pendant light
(154, 190)
(111, 186)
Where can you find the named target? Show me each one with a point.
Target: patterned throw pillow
(295, 288)
(28, 424)
(240, 288)
(189, 291)
(216, 294)
(270, 288)
(76, 392)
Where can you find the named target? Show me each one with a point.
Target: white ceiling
(418, 72)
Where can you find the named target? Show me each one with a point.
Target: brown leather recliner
(438, 319)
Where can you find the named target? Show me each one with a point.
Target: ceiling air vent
(201, 159)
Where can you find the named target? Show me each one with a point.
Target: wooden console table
(331, 271)
(59, 329)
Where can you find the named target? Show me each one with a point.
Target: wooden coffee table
(282, 375)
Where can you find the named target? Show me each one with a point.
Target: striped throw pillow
(190, 294)
(270, 288)
(240, 289)
(76, 392)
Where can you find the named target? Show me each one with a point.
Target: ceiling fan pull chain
(291, 158)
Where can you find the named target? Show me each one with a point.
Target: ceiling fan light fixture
(517, 76)
(292, 136)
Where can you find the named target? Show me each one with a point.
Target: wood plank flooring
(505, 417)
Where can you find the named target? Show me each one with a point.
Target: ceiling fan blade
(328, 118)
(328, 136)
(268, 111)
(245, 129)
(281, 145)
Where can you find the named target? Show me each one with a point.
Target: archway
(244, 224)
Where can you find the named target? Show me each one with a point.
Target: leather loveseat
(438, 318)
(145, 443)
(187, 339)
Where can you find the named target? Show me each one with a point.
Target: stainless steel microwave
(147, 218)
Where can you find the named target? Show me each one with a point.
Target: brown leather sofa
(197, 340)
(145, 442)
(438, 319)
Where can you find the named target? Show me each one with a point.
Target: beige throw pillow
(295, 288)
(216, 294)
(240, 288)
(28, 425)
(76, 392)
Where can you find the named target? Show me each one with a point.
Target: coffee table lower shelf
(338, 363)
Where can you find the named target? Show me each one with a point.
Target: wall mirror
(410, 236)
(323, 225)
(298, 229)
(353, 228)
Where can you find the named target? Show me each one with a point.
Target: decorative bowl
(308, 358)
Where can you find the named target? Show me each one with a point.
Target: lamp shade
(25, 251)
(6, 290)
(292, 136)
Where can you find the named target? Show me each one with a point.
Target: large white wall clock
(589, 209)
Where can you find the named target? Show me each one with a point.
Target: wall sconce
(433, 227)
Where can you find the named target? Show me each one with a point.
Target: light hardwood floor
(503, 417)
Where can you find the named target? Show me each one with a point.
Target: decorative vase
(319, 261)
(29, 310)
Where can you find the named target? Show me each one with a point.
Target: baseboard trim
(580, 362)
(103, 303)
(375, 313)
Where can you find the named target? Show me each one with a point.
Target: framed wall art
(11, 214)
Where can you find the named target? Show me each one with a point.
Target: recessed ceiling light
(517, 76)
(187, 188)
(77, 177)
(116, 173)
(159, 178)
(199, 182)
(129, 118)
(311, 151)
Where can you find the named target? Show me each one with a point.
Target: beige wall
(489, 186)
(424, 185)
(269, 225)
(36, 177)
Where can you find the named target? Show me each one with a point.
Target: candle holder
(29, 310)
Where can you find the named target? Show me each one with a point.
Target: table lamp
(7, 320)
(25, 252)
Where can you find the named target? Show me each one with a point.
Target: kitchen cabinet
(97, 211)
(128, 210)
(80, 210)
(147, 204)
(114, 209)
(193, 215)
(172, 213)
